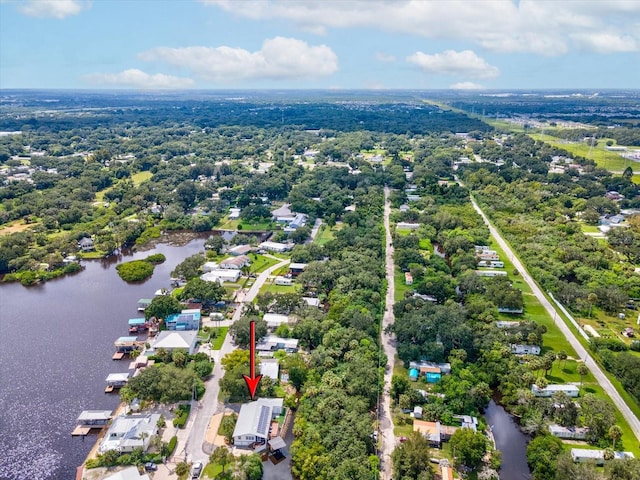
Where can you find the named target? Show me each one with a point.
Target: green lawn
(140, 177)
(271, 287)
(240, 225)
(603, 158)
(212, 470)
(400, 286)
(259, 263)
(216, 343)
(589, 228)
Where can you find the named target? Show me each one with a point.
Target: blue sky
(236, 44)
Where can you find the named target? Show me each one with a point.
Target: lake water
(56, 342)
(510, 441)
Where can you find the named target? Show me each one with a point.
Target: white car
(196, 470)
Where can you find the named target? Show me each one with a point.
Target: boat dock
(81, 431)
(90, 420)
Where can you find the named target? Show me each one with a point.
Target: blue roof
(136, 321)
(413, 372)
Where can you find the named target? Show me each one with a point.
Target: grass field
(259, 263)
(603, 158)
(216, 343)
(240, 225)
(325, 235)
(401, 287)
(271, 287)
(140, 177)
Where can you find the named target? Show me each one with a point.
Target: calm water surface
(56, 342)
(510, 441)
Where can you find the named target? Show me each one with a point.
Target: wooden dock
(118, 356)
(109, 389)
(81, 431)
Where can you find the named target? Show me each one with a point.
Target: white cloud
(135, 78)
(279, 58)
(53, 8)
(385, 57)
(466, 86)
(462, 64)
(541, 27)
(604, 42)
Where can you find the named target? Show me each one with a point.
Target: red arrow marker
(252, 380)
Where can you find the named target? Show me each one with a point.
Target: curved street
(582, 352)
(388, 439)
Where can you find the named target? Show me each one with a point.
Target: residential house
(220, 275)
(240, 250)
(283, 281)
(417, 412)
(568, 433)
(235, 263)
(210, 266)
(491, 273)
(507, 325)
(491, 264)
(314, 302)
(234, 213)
(254, 423)
(296, 269)
(570, 390)
(274, 320)
(414, 373)
(404, 207)
(407, 226)
(86, 244)
(435, 432)
(520, 349)
(283, 214)
(583, 455)
(273, 343)
(188, 319)
(512, 311)
(128, 432)
(276, 246)
(176, 340)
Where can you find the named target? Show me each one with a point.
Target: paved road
(388, 343)
(314, 230)
(577, 346)
(209, 405)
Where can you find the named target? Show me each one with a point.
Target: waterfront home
(254, 424)
(137, 325)
(434, 432)
(86, 244)
(188, 319)
(128, 432)
(125, 345)
(234, 213)
(221, 276)
(568, 433)
(240, 250)
(210, 266)
(176, 340)
(549, 390)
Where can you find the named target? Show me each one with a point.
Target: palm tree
(582, 371)
(591, 298)
(615, 432)
(562, 356)
(608, 454)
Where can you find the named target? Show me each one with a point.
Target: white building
(570, 390)
(234, 213)
(568, 433)
(171, 340)
(128, 432)
(274, 320)
(283, 281)
(273, 343)
(583, 455)
(276, 246)
(129, 473)
(407, 226)
(519, 349)
(220, 276)
(235, 263)
(269, 367)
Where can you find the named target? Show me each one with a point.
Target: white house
(491, 273)
(210, 266)
(129, 473)
(235, 263)
(314, 302)
(570, 390)
(240, 250)
(283, 281)
(272, 343)
(173, 340)
(276, 246)
(491, 264)
(128, 432)
(86, 244)
(274, 320)
(254, 422)
(580, 455)
(234, 213)
(407, 226)
(227, 275)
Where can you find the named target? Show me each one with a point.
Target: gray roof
(255, 417)
(170, 339)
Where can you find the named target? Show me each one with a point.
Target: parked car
(196, 470)
(150, 467)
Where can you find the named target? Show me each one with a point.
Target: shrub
(635, 346)
(612, 344)
(182, 414)
(172, 446)
(135, 270)
(156, 258)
